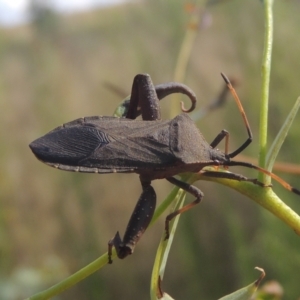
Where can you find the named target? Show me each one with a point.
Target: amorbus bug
(151, 147)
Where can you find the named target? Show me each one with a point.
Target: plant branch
(266, 70)
(264, 196)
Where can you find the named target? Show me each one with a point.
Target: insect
(151, 147)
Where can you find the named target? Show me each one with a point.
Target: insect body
(152, 148)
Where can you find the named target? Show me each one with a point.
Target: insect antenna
(272, 175)
(248, 141)
(241, 109)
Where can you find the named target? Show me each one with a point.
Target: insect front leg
(233, 176)
(138, 223)
(188, 188)
(223, 134)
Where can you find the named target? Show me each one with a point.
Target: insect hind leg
(138, 223)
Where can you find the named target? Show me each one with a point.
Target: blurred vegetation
(52, 223)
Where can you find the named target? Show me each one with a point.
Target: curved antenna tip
(226, 79)
(189, 109)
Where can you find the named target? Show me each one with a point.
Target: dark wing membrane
(144, 145)
(68, 145)
(105, 144)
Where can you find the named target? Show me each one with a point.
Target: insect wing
(105, 145)
(139, 145)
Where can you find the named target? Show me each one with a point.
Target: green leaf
(276, 145)
(246, 292)
(166, 297)
(163, 253)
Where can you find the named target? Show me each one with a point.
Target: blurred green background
(53, 223)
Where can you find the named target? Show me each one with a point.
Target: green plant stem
(266, 70)
(71, 280)
(264, 196)
(186, 48)
(102, 260)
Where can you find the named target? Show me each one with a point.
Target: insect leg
(143, 95)
(223, 134)
(165, 89)
(162, 91)
(188, 188)
(144, 98)
(137, 224)
(272, 175)
(233, 176)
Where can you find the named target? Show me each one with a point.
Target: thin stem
(266, 70)
(264, 196)
(71, 280)
(187, 46)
